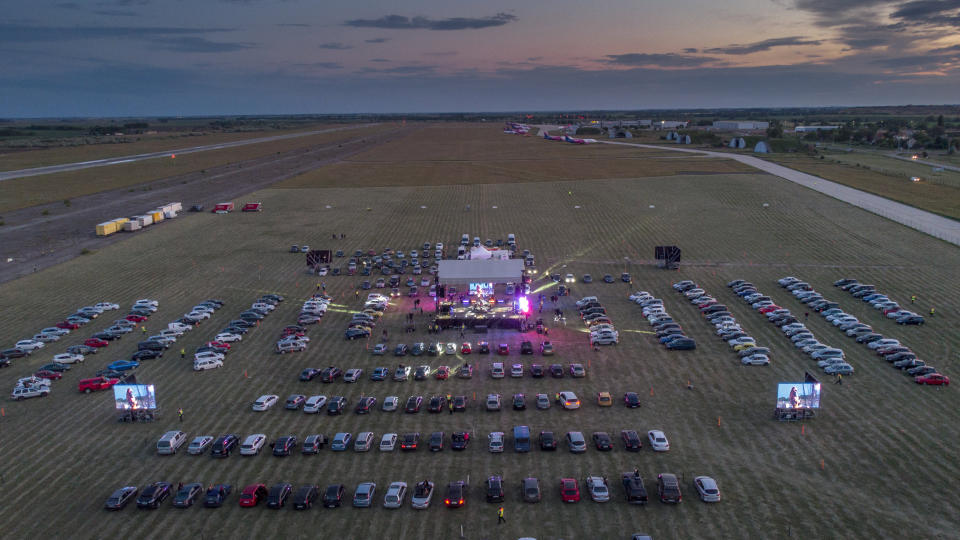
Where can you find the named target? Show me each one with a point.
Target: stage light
(524, 305)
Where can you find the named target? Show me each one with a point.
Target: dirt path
(31, 240)
(940, 227)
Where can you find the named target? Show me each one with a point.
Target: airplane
(552, 137)
(576, 140)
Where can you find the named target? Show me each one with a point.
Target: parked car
(707, 489)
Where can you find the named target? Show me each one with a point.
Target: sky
(215, 57)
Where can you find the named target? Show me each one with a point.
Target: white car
(496, 371)
(208, 363)
(388, 442)
(25, 392)
(496, 441)
(264, 402)
(68, 358)
(658, 441)
(285, 346)
(352, 375)
(755, 360)
(323, 271)
(179, 327)
(391, 403)
(56, 331)
(569, 278)
(395, 495)
(149, 307)
(167, 340)
(33, 381)
(314, 404)
(197, 315)
(46, 338)
(199, 444)
(451, 348)
(29, 345)
(227, 337)
(883, 343)
(543, 401)
(107, 306)
(516, 370)
(263, 306)
(569, 400)
(146, 301)
(208, 355)
(607, 338)
(253, 444)
(707, 489)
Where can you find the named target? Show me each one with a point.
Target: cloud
(293, 25)
(324, 65)
(952, 48)
(760, 46)
(334, 46)
(116, 13)
(377, 40)
(400, 70)
(399, 22)
(936, 12)
(193, 44)
(691, 50)
(665, 60)
(534, 58)
(441, 53)
(380, 60)
(835, 8)
(15, 33)
(68, 5)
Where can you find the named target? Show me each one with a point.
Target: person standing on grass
(500, 516)
(183, 353)
(180, 413)
(913, 299)
(144, 330)
(932, 311)
(839, 379)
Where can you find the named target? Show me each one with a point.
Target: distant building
(805, 129)
(669, 124)
(738, 125)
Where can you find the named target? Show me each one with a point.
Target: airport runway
(940, 227)
(8, 175)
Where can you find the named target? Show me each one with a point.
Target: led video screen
(128, 397)
(798, 395)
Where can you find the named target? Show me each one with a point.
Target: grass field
(30, 191)
(887, 446)
(14, 159)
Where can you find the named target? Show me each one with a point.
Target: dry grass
(886, 444)
(22, 159)
(30, 191)
(933, 197)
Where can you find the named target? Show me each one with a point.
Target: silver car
(422, 495)
(395, 495)
(597, 486)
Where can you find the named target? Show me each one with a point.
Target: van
(207, 363)
(521, 439)
(170, 441)
(511, 239)
(476, 241)
(363, 442)
(465, 239)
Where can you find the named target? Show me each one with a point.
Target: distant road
(943, 228)
(925, 162)
(8, 175)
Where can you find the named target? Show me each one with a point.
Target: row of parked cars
(465, 348)
(362, 322)
(421, 496)
(252, 445)
(668, 331)
(402, 373)
(725, 324)
(594, 316)
(213, 353)
(831, 359)
(879, 301)
(26, 347)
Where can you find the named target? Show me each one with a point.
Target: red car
(96, 342)
(135, 318)
(503, 349)
(252, 495)
(67, 325)
(768, 309)
(218, 344)
(930, 378)
(466, 348)
(569, 490)
(97, 383)
(442, 373)
(47, 374)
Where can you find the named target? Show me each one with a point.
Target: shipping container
(106, 228)
(223, 208)
(145, 220)
(174, 206)
(132, 226)
(157, 216)
(120, 222)
(169, 214)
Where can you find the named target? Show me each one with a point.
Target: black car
(625, 277)
(495, 489)
(519, 402)
(111, 374)
(556, 370)
(911, 319)
(631, 440)
(437, 404)
(303, 500)
(278, 495)
(356, 333)
(631, 400)
(73, 349)
(602, 441)
(216, 495)
(330, 374)
(108, 336)
(456, 494)
(153, 495)
(336, 404)
(536, 370)
(633, 488)
(284, 445)
(459, 440)
(4, 362)
(333, 495)
(240, 323)
(526, 348)
(54, 366)
(251, 314)
(18, 353)
(120, 498)
(483, 348)
(365, 405)
(607, 278)
(547, 441)
(413, 404)
(682, 344)
(224, 445)
(187, 495)
(421, 373)
(400, 350)
(309, 374)
(436, 441)
(410, 441)
(235, 330)
(146, 354)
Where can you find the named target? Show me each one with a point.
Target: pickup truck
(633, 488)
(95, 384)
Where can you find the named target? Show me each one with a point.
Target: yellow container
(106, 228)
(120, 222)
(157, 216)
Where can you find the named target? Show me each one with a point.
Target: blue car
(380, 374)
(123, 365)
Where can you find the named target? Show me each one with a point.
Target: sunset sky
(149, 57)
